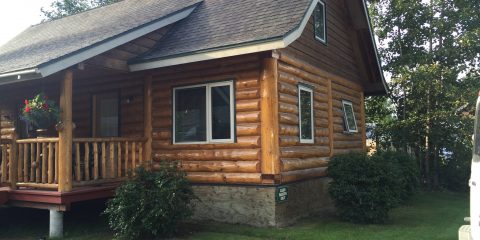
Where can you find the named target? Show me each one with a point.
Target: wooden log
(304, 151)
(288, 98)
(288, 118)
(251, 93)
(210, 155)
(288, 88)
(38, 164)
(126, 158)
(346, 151)
(248, 117)
(32, 162)
(293, 164)
(77, 162)
(104, 160)
(65, 134)
(48, 186)
(330, 116)
(140, 154)
(119, 159)
(248, 129)
(50, 163)
(87, 162)
(298, 175)
(286, 141)
(37, 140)
(4, 163)
(148, 126)
(134, 157)
(291, 130)
(362, 121)
(348, 144)
(218, 166)
(44, 163)
(20, 163)
(248, 105)
(111, 165)
(25, 162)
(57, 156)
(246, 178)
(95, 161)
(246, 83)
(269, 86)
(288, 108)
(304, 75)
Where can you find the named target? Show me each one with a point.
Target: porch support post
(13, 159)
(65, 134)
(56, 224)
(148, 121)
(270, 119)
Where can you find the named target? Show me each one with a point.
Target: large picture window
(204, 113)
(349, 117)
(320, 22)
(305, 106)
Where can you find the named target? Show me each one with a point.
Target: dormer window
(320, 22)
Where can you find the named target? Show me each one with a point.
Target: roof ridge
(78, 13)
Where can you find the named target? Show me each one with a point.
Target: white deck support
(56, 224)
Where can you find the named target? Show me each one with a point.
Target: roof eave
(69, 60)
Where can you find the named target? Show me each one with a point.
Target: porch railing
(94, 161)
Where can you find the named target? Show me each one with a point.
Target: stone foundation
(257, 205)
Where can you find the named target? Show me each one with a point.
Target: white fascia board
(19, 76)
(232, 51)
(203, 56)
(113, 43)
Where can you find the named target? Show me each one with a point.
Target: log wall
(237, 162)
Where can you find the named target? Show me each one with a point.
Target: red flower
(26, 102)
(27, 109)
(45, 106)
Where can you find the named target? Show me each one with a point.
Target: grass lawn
(428, 216)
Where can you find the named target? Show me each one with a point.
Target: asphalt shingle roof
(51, 40)
(221, 23)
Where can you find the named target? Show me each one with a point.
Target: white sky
(17, 15)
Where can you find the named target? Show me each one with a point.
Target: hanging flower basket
(41, 113)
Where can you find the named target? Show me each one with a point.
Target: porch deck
(30, 169)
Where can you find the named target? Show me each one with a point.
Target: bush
(151, 204)
(365, 188)
(408, 175)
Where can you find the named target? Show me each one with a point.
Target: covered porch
(84, 158)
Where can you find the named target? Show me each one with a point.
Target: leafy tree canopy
(62, 8)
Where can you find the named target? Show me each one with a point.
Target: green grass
(427, 216)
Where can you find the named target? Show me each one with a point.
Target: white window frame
(345, 118)
(208, 100)
(324, 41)
(310, 90)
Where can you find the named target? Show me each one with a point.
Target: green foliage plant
(365, 188)
(151, 204)
(40, 111)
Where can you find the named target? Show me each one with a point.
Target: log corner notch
(66, 133)
(270, 119)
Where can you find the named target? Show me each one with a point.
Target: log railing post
(13, 159)
(148, 122)
(270, 119)
(65, 134)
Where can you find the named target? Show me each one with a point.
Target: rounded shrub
(363, 188)
(151, 204)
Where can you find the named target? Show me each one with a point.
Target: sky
(17, 15)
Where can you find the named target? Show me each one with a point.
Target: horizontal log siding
(337, 56)
(237, 162)
(301, 161)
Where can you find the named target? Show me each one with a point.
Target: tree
(431, 48)
(62, 8)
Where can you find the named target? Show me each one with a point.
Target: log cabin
(251, 97)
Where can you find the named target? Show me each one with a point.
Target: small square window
(320, 27)
(349, 117)
(305, 106)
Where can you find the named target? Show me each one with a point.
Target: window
(349, 117)
(106, 115)
(305, 106)
(204, 113)
(320, 22)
